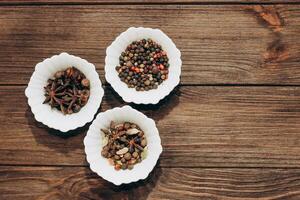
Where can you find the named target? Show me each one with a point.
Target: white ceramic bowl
(93, 143)
(53, 118)
(114, 51)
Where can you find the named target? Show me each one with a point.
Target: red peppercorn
(164, 53)
(117, 167)
(137, 70)
(161, 67)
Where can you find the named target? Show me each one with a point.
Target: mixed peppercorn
(125, 146)
(143, 65)
(68, 92)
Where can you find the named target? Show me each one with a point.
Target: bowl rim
(94, 162)
(63, 126)
(129, 94)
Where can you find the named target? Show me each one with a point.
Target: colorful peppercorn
(142, 64)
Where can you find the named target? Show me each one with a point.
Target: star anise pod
(69, 91)
(133, 143)
(53, 94)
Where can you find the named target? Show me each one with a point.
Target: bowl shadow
(62, 142)
(139, 190)
(155, 111)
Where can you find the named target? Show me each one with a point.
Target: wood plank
(163, 183)
(233, 44)
(199, 127)
(49, 2)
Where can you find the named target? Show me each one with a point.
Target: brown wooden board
(199, 127)
(163, 183)
(233, 44)
(89, 2)
(229, 131)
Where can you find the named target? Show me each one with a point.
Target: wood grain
(163, 183)
(88, 2)
(199, 127)
(233, 44)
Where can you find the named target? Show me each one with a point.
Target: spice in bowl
(143, 65)
(125, 145)
(68, 91)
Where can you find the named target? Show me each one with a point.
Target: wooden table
(230, 130)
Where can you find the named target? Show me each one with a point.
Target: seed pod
(139, 147)
(132, 131)
(147, 82)
(69, 71)
(117, 167)
(106, 148)
(144, 143)
(126, 125)
(124, 166)
(116, 157)
(133, 125)
(127, 156)
(112, 152)
(121, 133)
(137, 140)
(122, 151)
(128, 64)
(141, 134)
(131, 149)
(130, 167)
(85, 82)
(119, 127)
(144, 154)
(123, 139)
(104, 153)
(132, 161)
(135, 154)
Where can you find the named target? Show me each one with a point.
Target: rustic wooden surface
(163, 183)
(232, 44)
(230, 130)
(246, 126)
(93, 2)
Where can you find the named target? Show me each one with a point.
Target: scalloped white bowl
(112, 60)
(93, 143)
(53, 118)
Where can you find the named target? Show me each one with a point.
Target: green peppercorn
(124, 166)
(130, 167)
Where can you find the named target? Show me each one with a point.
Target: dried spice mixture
(68, 92)
(125, 145)
(143, 65)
